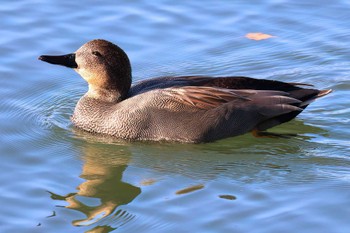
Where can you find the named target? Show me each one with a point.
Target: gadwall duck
(186, 108)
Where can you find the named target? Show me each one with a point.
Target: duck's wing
(203, 97)
(300, 91)
(206, 98)
(297, 90)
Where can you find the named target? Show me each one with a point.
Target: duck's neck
(114, 95)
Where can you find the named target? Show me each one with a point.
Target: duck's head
(103, 65)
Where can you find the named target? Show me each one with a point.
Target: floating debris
(190, 189)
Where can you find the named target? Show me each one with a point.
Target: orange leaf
(258, 36)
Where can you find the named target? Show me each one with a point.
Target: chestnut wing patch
(203, 97)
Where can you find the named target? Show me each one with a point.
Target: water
(57, 179)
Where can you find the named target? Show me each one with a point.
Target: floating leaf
(258, 36)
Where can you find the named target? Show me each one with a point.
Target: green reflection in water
(102, 171)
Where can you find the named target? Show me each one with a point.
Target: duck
(189, 109)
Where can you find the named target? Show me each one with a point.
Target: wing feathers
(203, 97)
(211, 97)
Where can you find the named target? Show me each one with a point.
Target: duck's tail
(289, 116)
(319, 95)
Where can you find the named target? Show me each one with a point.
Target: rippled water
(58, 179)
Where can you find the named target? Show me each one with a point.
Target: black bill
(67, 60)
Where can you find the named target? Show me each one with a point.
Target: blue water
(55, 178)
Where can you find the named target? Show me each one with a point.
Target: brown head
(104, 65)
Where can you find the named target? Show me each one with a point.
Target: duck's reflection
(102, 171)
(245, 159)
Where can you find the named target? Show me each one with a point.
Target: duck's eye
(96, 53)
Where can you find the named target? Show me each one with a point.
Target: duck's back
(232, 82)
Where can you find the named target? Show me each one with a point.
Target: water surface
(57, 179)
